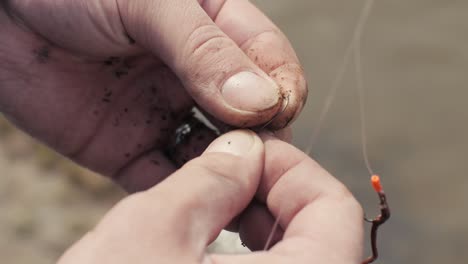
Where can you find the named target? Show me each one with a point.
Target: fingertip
(237, 142)
(219, 184)
(269, 49)
(290, 77)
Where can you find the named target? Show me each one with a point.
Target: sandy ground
(415, 56)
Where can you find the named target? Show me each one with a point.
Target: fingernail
(238, 142)
(249, 92)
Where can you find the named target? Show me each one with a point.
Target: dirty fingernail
(249, 92)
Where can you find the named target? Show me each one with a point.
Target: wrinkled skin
(107, 83)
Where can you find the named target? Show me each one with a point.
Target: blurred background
(415, 64)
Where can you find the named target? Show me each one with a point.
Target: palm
(107, 113)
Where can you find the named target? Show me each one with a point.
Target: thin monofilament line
(363, 17)
(273, 230)
(360, 90)
(278, 113)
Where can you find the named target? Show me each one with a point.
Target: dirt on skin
(415, 62)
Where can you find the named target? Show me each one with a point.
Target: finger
(144, 172)
(226, 183)
(180, 216)
(216, 72)
(267, 46)
(322, 220)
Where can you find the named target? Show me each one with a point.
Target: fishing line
(353, 51)
(363, 17)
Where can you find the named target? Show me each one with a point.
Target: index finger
(267, 46)
(322, 221)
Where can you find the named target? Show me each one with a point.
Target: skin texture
(107, 83)
(322, 222)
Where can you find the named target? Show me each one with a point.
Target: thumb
(215, 71)
(179, 217)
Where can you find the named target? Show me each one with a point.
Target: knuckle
(205, 55)
(269, 36)
(205, 39)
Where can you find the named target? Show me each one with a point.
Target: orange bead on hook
(375, 180)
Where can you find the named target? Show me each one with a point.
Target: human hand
(107, 83)
(174, 221)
